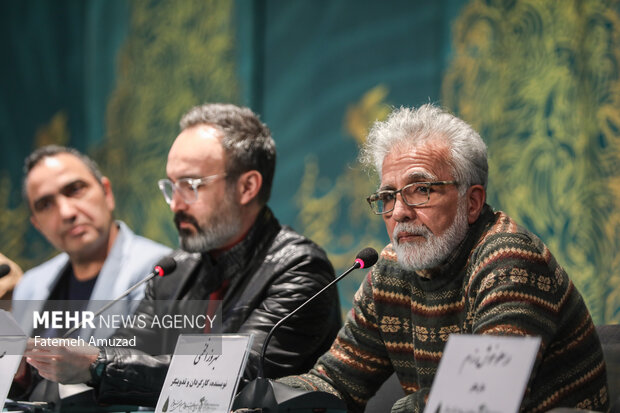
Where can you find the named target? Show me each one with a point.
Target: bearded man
(453, 266)
(233, 250)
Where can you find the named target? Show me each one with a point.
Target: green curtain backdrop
(59, 67)
(539, 79)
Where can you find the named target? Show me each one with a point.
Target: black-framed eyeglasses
(414, 194)
(187, 188)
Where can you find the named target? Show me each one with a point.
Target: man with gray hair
(453, 266)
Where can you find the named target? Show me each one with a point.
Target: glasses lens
(167, 189)
(186, 190)
(416, 194)
(378, 206)
(381, 202)
(184, 187)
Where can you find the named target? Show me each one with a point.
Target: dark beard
(183, 217)
(214, 236)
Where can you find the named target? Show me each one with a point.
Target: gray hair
(247, 141)
(406, 126)
(48, 151)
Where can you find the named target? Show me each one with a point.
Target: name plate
(482, 373)
(204, 373)
(12, 346)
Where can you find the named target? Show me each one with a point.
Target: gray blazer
(131, 259)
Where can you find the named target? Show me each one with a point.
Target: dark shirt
(70, 288)
(69, 294)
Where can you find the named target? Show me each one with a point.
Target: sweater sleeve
(357, 362)
(517, 288)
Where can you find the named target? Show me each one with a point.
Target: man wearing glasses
(453, 266)
(220, 170)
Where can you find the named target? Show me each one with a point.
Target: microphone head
(367, 257)
(165, 266)
(4, 270)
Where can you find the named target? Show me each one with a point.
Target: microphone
(4, 270)
(164, 267)
(263, 393)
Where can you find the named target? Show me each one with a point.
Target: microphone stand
(261, 362)
(272, 396)
(158, 271)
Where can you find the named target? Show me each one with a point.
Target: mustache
(411, 229)
(183, 217)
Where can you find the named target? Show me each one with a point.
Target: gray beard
(217, 234)
(433, 251)
(212, 238)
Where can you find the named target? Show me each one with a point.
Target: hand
(63, 363)
(9, 281)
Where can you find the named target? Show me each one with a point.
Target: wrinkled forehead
(427, 158)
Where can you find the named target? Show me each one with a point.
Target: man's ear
(107, 191)
(249, 184)
(476, 197)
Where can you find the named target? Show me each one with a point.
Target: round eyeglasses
(417, 193)
(187, 188)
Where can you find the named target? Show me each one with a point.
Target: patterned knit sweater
(501, 280)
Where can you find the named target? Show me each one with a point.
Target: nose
(402, 212)
(66, 209)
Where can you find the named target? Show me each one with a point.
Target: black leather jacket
(274, 271)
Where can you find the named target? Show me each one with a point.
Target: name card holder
(12, 345)
(482, 373)
(204, 373)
